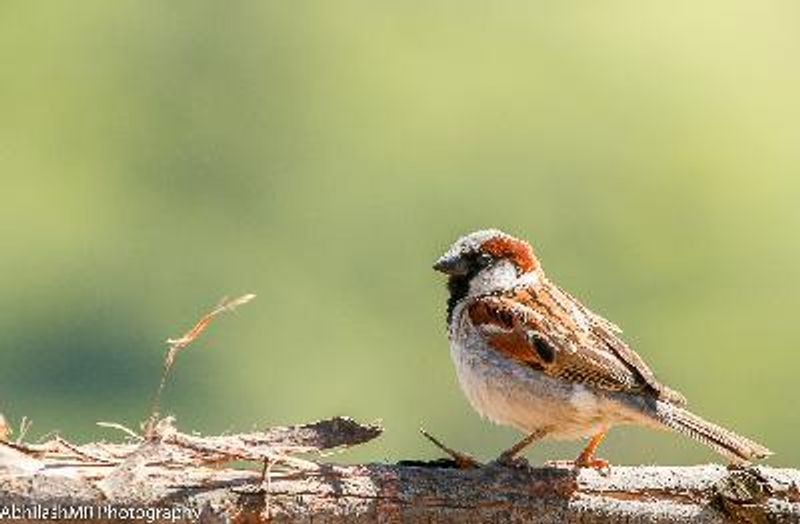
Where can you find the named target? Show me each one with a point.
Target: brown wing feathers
(536, 327)
(607, 333)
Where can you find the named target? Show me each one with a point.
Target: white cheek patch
(528, 279)
(501, 276)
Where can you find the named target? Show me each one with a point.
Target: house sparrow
(531, 356)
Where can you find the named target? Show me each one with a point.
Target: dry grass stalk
(177, 344)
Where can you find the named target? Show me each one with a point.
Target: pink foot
(599, 464)
(594, 463)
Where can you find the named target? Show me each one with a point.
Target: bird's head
(485, 262)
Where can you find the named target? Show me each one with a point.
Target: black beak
(451, 265)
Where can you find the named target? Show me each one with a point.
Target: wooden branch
(170, 475)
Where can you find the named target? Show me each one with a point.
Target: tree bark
(167, 475)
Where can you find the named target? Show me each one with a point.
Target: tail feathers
(671, 396)
(721, 440)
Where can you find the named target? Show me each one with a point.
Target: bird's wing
(547, 329)
(609, 333)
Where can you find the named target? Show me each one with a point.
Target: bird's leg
(462, 460)
(587, 459)
(507, 458)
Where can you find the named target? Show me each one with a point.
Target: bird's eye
(484, 259)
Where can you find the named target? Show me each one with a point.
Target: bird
(529, 355)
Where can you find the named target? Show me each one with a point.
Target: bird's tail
(721, 440)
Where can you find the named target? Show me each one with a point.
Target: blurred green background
(156, 156)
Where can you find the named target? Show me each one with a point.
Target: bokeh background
(156, 156)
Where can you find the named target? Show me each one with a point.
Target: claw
(602, 466)
(587, 459)
(593, 462)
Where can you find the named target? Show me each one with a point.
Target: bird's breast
(511, 393)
